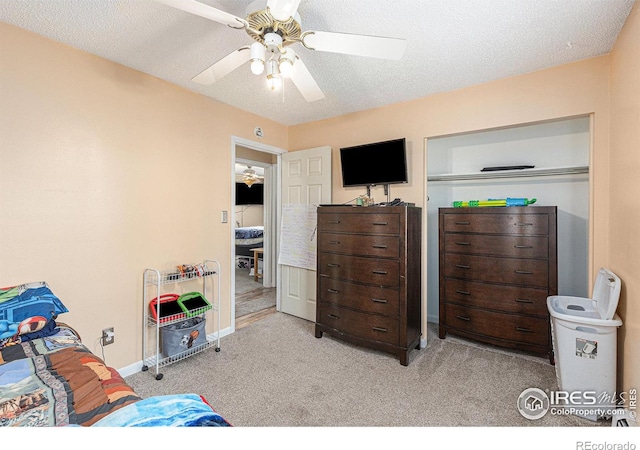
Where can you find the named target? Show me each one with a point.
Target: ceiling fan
(275, 26)
(249, 176)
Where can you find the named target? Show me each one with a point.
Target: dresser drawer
(366, 326)
(524, 224)
(523, 300)
(380, 272)
(530, 330)
(358, 244)
(515, 246)
(524, 272)
(360, 223)
(373, 299)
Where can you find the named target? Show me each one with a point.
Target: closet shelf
(551, 171)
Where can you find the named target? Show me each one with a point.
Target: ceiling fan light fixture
(249, 176)
(274, 81)
(257, 58)
(287, 58)
(273, 42)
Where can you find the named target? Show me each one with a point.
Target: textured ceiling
(451, 44)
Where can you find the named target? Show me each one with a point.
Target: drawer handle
(381, 329)
(463, 292)
(524, 300)
(384, 224)
(333, 265)
(334, 242)
(378, 300)
(466, 319)
(379, 272)
(524, 224)
(462, 266)
(333, 316)
(379, 246)
(524, 330)
(333, 291)
(463, 243)
(333, 221)
(463, 223)
(523, 272)
(523, 246)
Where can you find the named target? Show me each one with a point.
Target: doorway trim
(271, 214)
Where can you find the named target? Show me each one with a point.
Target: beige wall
(570, 90)
(105, 172)
(254, 155)
(249, 215)
(624, 191)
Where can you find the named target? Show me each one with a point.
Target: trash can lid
(606, 293)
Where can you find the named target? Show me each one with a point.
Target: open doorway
(254, 229)
(252, 293)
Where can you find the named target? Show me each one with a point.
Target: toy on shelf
(495, 202)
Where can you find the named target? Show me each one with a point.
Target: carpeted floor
(275, 373)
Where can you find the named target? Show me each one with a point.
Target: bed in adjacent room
(248, 238)
(49, 378)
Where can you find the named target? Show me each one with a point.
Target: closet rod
(510, 174)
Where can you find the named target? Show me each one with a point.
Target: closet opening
(559, 151)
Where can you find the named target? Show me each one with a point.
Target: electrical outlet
(224, 217)
(108, 336)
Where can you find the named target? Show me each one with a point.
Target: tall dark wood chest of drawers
(497, 267)
(369, 276)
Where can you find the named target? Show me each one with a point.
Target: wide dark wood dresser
(369, 276)
(497, 267)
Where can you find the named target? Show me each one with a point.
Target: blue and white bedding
(249, 232)
(248, 238)
(180, 410)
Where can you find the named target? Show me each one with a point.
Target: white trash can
(584, 333)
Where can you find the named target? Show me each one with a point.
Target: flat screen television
(246, 195)
(374, 164)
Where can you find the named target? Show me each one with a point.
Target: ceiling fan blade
(208, 12)
(305, 83)
(223, 67)
(355, 44)
(283, 9)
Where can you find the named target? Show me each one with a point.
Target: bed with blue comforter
(248, 238)
(48, 378)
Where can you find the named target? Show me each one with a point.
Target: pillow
(27, 308)
(47, 329)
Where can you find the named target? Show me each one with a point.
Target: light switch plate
(225, 216)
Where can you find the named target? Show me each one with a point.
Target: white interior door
(306, 179)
